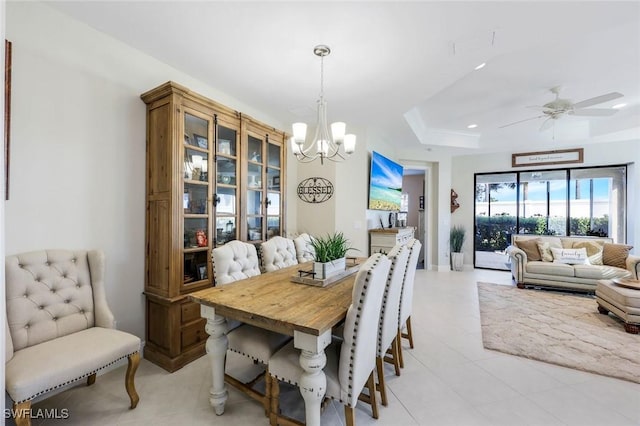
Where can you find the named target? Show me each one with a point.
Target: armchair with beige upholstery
(59, 326)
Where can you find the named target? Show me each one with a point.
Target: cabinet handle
(216, 200)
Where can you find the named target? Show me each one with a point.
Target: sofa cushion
(46, 366)
(615, 255)
(599, 272)
(544, 247)
(550, 268)
(594, 250)
(570, 256)
(530, 247)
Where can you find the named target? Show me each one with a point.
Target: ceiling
(402, 71)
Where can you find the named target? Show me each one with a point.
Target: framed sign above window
(547, 158)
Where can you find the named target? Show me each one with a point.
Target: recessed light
(479, 67)
(472, 126)
(618, 106)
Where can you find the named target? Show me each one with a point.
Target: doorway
(415, 207)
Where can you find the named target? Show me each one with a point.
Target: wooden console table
(384, 239)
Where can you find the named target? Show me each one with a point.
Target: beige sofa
(582, 277)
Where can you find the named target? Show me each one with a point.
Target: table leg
(217, 345)
(313, 382)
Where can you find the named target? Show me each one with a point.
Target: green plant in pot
(329, 254)
(456, 241)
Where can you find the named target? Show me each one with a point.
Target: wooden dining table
(273, 302)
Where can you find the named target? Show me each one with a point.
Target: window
(581, 201)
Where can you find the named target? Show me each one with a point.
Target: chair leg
(381, 387)
(275, 401)
(22, 413)
(399, 338)
(91, 379)
(349, 417)
(409, 332)
(267, 393)
(396, 356)
(134, 361)
(371, 384)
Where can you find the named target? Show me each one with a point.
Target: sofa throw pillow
(570, 256)
(545, 251)
(530, 247)
(615, 255)
(594, 250)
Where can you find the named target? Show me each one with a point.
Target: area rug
(559, 328)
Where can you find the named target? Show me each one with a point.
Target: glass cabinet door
(254, 181)
(195, 202)
(274, 198)
(225, 197)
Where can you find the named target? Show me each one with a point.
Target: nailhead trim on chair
(248, 355)
(356, 324)
(74, 380)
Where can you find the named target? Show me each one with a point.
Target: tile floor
(449, 379)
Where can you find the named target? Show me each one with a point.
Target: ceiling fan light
(619, 106)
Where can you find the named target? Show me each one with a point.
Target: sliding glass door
(495, 218)
(597, 200)
(582, 201)
(542, 202)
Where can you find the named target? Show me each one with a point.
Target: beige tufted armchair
(278, 253)
(59, 326)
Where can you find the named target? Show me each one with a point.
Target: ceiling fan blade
(521, 121)
(538, 107)
(598, 100)
(547, 124)
(594, 112)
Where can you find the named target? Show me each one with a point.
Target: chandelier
(324, 145)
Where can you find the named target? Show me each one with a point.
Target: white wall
(345, 211)
(78, 146)
(2, 226)
(601, 154)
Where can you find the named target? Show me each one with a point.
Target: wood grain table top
(272, 301)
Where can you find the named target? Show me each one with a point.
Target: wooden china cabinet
(213, 175)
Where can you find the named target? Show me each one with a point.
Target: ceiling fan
(560, 107)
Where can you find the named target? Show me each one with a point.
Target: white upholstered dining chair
(304, 250)
(234, 261)
(406, 298)
(350, 361)
(388, 328)
(277, 253)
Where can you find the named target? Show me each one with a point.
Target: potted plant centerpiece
(456, 241)
(329, 257)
